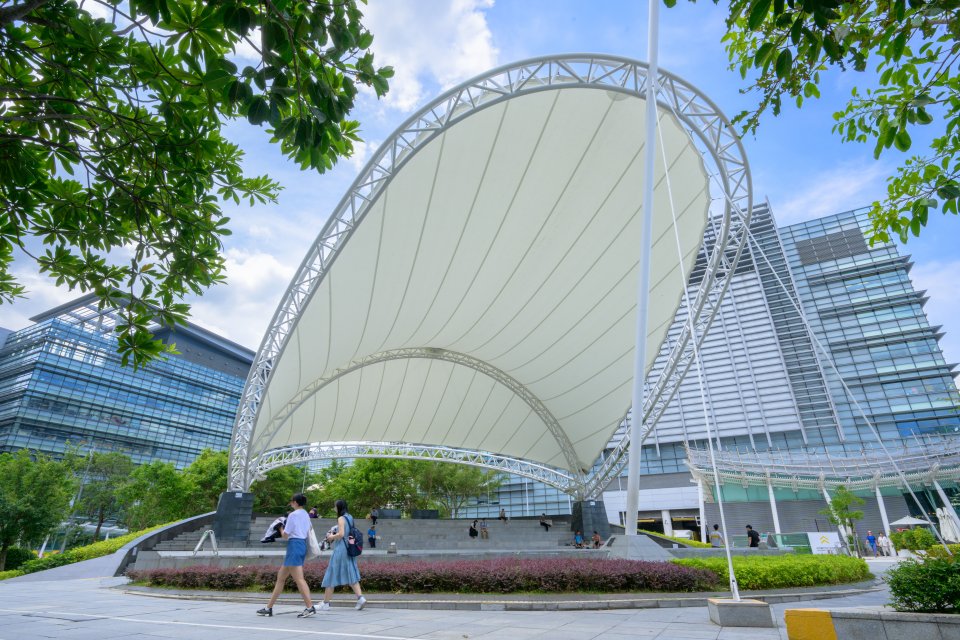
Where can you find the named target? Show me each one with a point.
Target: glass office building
(61, 384)
(800, 292)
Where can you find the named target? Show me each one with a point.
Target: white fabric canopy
(511, 238)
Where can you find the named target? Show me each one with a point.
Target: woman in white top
(295, 532)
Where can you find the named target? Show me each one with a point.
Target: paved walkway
(90, 610)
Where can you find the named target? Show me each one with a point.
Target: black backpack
(354, 539)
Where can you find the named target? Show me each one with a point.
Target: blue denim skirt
(296, 552)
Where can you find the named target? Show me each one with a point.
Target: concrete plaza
(89, 609)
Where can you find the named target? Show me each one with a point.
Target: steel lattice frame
(931, 458)
(708, 127)
(433, 353)
(560, 479)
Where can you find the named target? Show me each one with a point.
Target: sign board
(824, 542)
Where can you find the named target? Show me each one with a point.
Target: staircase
(437, 536)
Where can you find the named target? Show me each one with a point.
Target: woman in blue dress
(342, 568)
(295, 531)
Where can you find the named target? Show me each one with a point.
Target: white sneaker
(323, 606)
(360, 602)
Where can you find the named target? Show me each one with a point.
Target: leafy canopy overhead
(908, 53)
(113, 166)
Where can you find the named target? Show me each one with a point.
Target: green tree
(35, 495)
(272, 494)
(154, 494)
(206, 478)
(373, 482)
(840, 512)
(112, 136)
(449, 485)
(98, 497)
(908, 52)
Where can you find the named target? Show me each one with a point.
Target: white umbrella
(908, 521)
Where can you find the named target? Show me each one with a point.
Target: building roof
(85, 311)
(486, 298)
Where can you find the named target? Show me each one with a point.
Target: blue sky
(796, 161)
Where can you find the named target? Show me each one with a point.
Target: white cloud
(241, 309)
(361, 153)
(839, 188)
(430, 42)
(939, 279)
(41, 294)
(245, 52)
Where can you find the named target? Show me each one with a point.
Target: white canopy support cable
(829, 359)
(734, 590)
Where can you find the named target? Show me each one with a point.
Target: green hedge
(780, 572)
(79, 554)
(16, 556)
(916, 539)
(938, 551)
(686, 541)
(930, 585)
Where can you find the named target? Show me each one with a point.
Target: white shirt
(298, 525)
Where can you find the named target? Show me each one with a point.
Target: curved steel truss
(444, 355)
(924, 461)
(274, 458)
(709, 129)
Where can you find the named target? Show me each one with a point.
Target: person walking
(343, 567)
(295, 532)
(374, 514)
(872, 542)
(753, 537)
(503, 516)
(886, 544)
(372, 536)
(716, 538)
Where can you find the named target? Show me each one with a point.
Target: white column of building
(773, 507)
(701, 502)
(883, 511)
(667, 521)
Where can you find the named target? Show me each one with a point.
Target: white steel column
(883, 511)
(773, 508)
(643, 276)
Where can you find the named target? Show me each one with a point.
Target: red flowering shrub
(506, 575)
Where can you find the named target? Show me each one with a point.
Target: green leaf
(902, 140)
(759, 9)
(763, 53)
(784, 62)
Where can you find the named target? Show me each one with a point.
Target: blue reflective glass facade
(862, 306)
(61, 382)
(770, 387)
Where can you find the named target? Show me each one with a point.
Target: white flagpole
(643, 274)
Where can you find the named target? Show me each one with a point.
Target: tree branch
(18, 11)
